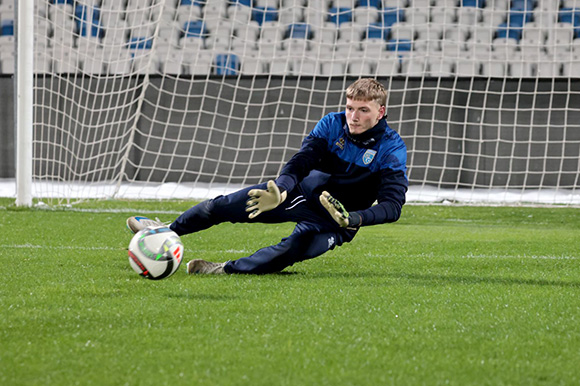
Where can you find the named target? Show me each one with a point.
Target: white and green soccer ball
(155, 252)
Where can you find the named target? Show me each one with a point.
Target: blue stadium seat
(299, 31)
(339, 15)
(369, 3)
(473, 3)
(247, 3)
(569, 15)
(505, 30)
(377, 31)
(63, 2)
(522, 5)
(399, 45)
(518, 18)
(227, 64)
(264, 14)
(392, 16)
(141, 43)
(87, 19)
(7, 28)
(195, 28)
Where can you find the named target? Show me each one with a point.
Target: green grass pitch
(447, 295)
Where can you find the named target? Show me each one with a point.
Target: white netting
(202, 94)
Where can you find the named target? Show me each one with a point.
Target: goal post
(190, 99)
(24, 100)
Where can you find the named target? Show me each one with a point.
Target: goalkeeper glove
(264, 200)
(339, 213)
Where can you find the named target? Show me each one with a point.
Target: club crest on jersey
(369, 156)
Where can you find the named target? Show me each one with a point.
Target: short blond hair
(367, 89)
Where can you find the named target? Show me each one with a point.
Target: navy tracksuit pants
(314, 234)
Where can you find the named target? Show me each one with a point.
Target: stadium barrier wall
(459, 131)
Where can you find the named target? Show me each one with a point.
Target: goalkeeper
(350, 160)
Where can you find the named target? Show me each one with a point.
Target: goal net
(191, 98)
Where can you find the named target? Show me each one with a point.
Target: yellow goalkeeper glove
(264, 200)
(339, 213)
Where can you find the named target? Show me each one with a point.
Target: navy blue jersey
(356, 170)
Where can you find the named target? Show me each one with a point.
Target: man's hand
(339, 213)
(264, 200)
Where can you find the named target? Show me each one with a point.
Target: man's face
(362, 115)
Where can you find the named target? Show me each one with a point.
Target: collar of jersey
(369, 138)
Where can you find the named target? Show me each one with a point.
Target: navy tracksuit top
(355, 169)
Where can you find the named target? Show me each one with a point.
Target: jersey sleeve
(314, 146)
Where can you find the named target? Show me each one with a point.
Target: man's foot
(202, 266)
(137, 223)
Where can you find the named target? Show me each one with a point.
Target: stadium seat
(563, 32)
(7, 27)
(350, 32)
(365, 15)
(505, 30)
(252, 64)
(264, 14)
(372, 48)
(468, 16)
(226, 64)
(332, 68)
(519, 18)
(391, 16)
(7, 65)
(571, 68)
(339, 15)
(140, 43)
(239, 13)
(399, 45)
(304, 66)
(467, 67)
(394, 3)
(440, 66)
(195, 29)
(473, 3)
(482, 33)
(360, 67)
(272, 30)
(443, 15)
(290, 15)
(388, 66)
(279, 66)
(493, 69)
(419, 4)
(520, 69)
(377, 31)
(299, 31)
(199, 65)
(414, 66)
(417, 16)
(402, 31)
(370, 3)
(295, 46)
(522, 5)
(503, 48)
(548, 69)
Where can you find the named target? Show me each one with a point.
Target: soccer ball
(155, 252)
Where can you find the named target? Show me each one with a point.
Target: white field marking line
(535, 257)
(471, 256)
(30, 246)
(75, 247)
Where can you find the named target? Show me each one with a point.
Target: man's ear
(382, 111)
